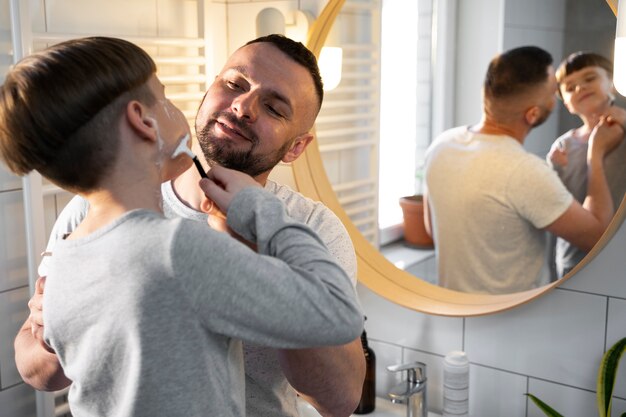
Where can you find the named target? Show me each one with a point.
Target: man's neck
(491, 127)
(188, 191)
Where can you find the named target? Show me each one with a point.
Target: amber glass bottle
(368, 396)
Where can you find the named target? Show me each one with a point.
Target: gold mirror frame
(374, 270)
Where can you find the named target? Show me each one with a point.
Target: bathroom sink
(384, 408)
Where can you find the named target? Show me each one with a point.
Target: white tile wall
(17, 401)
(504, 389)
(616, 330)
(13, 313)
(566, 400)
(401, 326)
(537, 14)
(479, 38)
(543, 338)
(102, 17)
(242, 19)
(9, 181)
(386, 354)
(13, 257)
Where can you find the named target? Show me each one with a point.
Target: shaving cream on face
(160, 143)
(166, 108)
(159, 161)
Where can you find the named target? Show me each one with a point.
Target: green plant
(605, 383)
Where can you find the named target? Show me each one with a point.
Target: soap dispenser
(368, 395)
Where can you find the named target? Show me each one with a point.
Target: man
(258, 111)
(489, 201)
(138, 305)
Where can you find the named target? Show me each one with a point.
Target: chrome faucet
(412, 391)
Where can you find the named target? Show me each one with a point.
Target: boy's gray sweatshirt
(146, 314)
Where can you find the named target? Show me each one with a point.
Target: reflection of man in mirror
(259, 111)
(586, 86)
(489, 201)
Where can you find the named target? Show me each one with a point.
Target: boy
(586, 88)
(137, 306)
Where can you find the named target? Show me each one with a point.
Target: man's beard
(223, 152)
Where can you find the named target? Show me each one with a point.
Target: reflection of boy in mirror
(586, 87)
(491, 201)
(146, 314)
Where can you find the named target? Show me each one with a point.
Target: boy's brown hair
(59, 108)
(579, 60)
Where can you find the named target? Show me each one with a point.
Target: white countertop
(384, 408)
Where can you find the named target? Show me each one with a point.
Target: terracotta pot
(414, 229)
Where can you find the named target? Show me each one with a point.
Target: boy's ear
(140, 121)
(297, 147)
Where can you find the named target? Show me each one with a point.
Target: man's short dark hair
(515, 71)
(300, 54)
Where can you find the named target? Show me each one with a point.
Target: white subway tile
(568, 401)
(115, 17)
(8, 181)
(14, 311)
(386, 355)
(618, 405)
(394, 324)
(13, 257)
(18, 401)
(616, 330)
(495, 393)
(546, 338)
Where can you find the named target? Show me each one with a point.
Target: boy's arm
(583, 225)
(329, 378)
(36, 362)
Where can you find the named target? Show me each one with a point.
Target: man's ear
(297, 147)
(140, 121)
(532, 115)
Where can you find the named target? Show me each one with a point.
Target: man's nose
(245, 106)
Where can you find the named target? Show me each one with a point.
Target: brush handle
(199, 166)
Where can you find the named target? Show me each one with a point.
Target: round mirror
(379, 274)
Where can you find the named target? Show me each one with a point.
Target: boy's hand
(223, 184)
(558, 155)
(617, 115)
(35, 304)
(605, 137)
(220, 188)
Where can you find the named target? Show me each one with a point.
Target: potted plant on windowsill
(413, 213)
